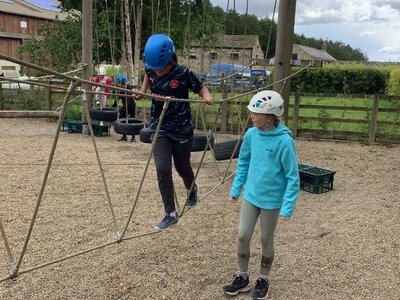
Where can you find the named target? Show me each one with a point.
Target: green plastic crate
(64, 125)
(100, 130)
(316, 180)
(74, 126)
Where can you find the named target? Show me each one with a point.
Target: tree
(56, 35)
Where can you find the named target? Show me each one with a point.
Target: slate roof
(237, 41)
(317, 54)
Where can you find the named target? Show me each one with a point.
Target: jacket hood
(279, 130)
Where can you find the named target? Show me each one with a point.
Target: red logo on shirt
(174, 83)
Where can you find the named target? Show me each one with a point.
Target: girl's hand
(233, 199)
(136, 97)
(284, 219)
(208, 100)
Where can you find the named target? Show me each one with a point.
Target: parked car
(238, 76)
(200, 75)
(260, 77)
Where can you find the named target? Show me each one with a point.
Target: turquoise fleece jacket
(269, 170)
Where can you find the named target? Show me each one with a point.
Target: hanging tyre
(146, 135)
(224, 150)
(130, 126)
(106, 114)
(200, 141)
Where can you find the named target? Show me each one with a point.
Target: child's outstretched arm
(205, 95)
(143, 89)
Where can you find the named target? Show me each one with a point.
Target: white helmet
(267, 102)
(102, 71)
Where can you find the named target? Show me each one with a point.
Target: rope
(270, 31)
(74, 82)
(82, 66)
(232, 75)
(33, 83)
(109, 34)
(79, 254)
(40, 196)
(156, 134)
(269, 85)
(8, 249)
(99, 162)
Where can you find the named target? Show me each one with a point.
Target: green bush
(394, 82)
(349, 79)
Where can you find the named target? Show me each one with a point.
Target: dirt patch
(343, 244)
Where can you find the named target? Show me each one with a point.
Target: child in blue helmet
(128, 109)
(165, 77)
(268, 170)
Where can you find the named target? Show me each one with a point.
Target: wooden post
(47, 92)
(284, 49)
(138, 31)
(296, 110)
(87, 56)
(128, 40)
(374, 119)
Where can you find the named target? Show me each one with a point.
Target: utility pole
(284, 49)
(87, 56)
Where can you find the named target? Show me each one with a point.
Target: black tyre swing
(200, 141)
(107, 114)
(130, 126)
(223, 150)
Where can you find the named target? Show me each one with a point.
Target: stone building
(237, 49)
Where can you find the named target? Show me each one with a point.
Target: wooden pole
(374, 119)
(128, 40)
(138, 32)
(87, 56)
(284, 49)
(296, 111)
(47, 92)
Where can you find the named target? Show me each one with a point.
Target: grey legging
(248, 218)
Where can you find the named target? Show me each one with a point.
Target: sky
(373, 26)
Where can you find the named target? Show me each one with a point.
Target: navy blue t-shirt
(176, 84)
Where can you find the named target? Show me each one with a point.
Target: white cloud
(368, 33)
(390, 50)
(373, 26)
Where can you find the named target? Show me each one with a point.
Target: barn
(19, 20)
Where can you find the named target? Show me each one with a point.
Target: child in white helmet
(102, 78)
(268, 169)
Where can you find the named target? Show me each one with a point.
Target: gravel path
(342, 244)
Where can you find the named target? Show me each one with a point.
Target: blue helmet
(158, 51)
(122, 78)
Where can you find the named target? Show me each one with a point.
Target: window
(234, 55)
(213, 55)
(193, 55)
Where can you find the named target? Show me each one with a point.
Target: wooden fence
(365, 118)
(375, 119)
(380, 124)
